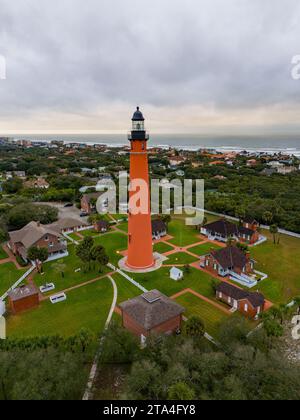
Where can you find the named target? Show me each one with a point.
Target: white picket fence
(135, 283)
(21, 279)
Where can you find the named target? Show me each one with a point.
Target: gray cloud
(83, 60)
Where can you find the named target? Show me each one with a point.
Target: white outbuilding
(176, 274)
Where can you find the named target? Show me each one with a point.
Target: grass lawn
(211, 316)
(113, 243)
(9, 274)
(74, 236)
(204, 248)
(282, 264)
(161, 248)
(183, 235)
(118, 217)
(88, 232)
(86, 307)
(160, 279)
(180, 258)
(126, 290)
(123, 226)
(72, 263)
(3, 254)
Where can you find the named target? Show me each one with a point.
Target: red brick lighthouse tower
(140, 249)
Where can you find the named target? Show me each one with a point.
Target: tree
(194, 327)
(243, 247)
(99, 255)
(274, 232)
(267, 217)
(12, 186)
(39, 256)
(83, 250)
(166, 218)
(181, 391)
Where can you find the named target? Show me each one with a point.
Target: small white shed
(176, 274)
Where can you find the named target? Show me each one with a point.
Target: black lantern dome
(138, 116)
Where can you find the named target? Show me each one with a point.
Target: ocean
(288, 144)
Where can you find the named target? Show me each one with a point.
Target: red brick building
(23, 298)
(101, 226)
(37, 235)
(151, 312)
(223, 230)
(251, 304)
(88, 202)
(226, 260)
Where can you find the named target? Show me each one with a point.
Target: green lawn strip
(161, 248)
(119, 217)
(89, 232)
(3, 254)
(210, 315)
(74, 236)
(183, 235)
(123, 226)
(71, 278)
(204, 248)
(282, 264)
(126, 290)
(197, 280)
(113, 243)
(9, 274)
(180, 258)
(86, 307)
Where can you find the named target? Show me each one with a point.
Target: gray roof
(23, 292)
(66, 223)
(31, 234)
(151, 309)
(256, 299)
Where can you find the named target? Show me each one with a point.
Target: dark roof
(102, 224)
(138, 116)
(250, 220)
(89, 196)
(23, 292)
(151, 309)
(256, 299)
(225, 228)
(158, 225)
(230, 257)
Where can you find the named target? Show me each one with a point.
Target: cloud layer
(197, 65)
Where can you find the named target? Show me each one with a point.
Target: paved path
(88, 391)
(211, 302)
(11, 258)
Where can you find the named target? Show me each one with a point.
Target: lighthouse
(140, 249)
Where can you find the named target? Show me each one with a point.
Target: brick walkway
(211, 302)
(11, 258)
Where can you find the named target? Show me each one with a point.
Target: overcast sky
(201, 66)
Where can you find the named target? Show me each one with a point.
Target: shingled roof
(158, 225)
(256, 299)
(151, 309)
(31, 234)
(230, 257)
(226, 229)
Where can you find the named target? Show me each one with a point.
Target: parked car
(83, 214)
(68, 205)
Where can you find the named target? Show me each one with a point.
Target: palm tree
(267, 217)
(274, 232)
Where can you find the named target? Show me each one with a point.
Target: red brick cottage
(151, 312)
(251, 304)
(223, 230)
(227, 260)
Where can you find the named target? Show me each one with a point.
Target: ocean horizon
(288, 144)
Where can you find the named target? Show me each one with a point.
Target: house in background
(39, 183)
(250, 304)
(176, 274)
(37, 235)
(159, 229)
(101, 226)
(17, 174)
(88, 202)
(223, 230)
(68, 225)
(151, 312)
(23, 298)
(228, 261)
